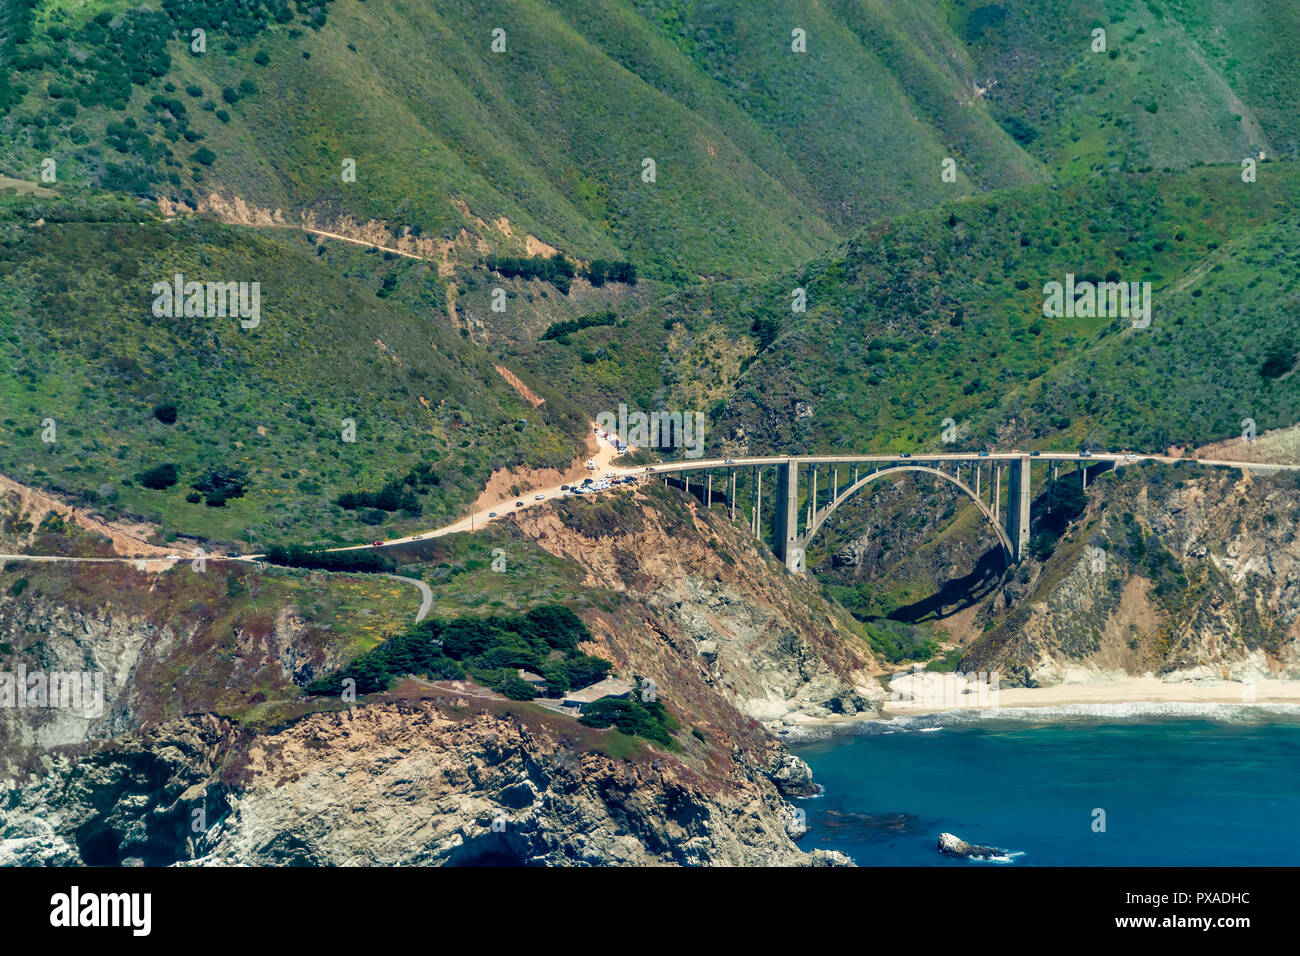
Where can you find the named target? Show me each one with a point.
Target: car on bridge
(984, 454)
(906, 454)
(1085, 453)
(729, 461)
(377, 544)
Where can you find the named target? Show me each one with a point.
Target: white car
(539, 497)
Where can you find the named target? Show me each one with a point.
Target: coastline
(1125, 698)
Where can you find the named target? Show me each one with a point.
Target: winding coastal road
(604, 462)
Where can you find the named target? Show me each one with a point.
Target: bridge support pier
(785, 529)
(1019, 495)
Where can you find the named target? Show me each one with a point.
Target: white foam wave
(1135, 711)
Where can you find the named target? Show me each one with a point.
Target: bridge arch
(819, 518)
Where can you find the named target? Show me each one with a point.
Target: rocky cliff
(410, 783)
(193, 768)
(1173, 570)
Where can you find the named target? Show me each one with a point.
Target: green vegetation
(159, 477)
(398, 494)
(561, 330)
(650, 720)
(491, 649)
(297, 556)
(253, 420)
(897, 642)
(557, 270)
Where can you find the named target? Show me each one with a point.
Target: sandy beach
(938, 696)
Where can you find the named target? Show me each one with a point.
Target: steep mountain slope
(748, 131)
(332, 388)
(1168, 90)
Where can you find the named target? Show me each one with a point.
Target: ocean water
(1180, 785)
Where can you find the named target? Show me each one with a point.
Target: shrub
(649, 720)
(159, 477)
(220, 483)
(296, 556)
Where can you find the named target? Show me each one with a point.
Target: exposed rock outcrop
(950, 845)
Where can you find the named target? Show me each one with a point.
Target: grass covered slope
(940, 315)
(1178, 82)
(763, 155)
(268, 402)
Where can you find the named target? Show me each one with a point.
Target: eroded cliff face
(408, 782)
(1173, 571)
(681, 599)
(719, 612)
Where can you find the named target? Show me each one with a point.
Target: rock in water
(950, 845)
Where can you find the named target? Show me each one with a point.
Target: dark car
(1034, 454)
(906, 454)
(984, 454)
(519, 504)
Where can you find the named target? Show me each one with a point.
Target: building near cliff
(609, 687)
(537, 681)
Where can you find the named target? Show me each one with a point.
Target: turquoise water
(1175, 791)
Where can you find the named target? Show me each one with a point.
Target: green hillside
(940, 315)
(763, 155)
(1178, 83)
(82, 346)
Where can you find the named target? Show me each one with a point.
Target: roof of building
(609, 687)
(531, 677)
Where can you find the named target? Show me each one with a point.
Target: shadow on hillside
(957, 594)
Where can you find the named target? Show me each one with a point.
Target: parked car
(492, 514)
(539, 497)
(564, 487)
(519, 504)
